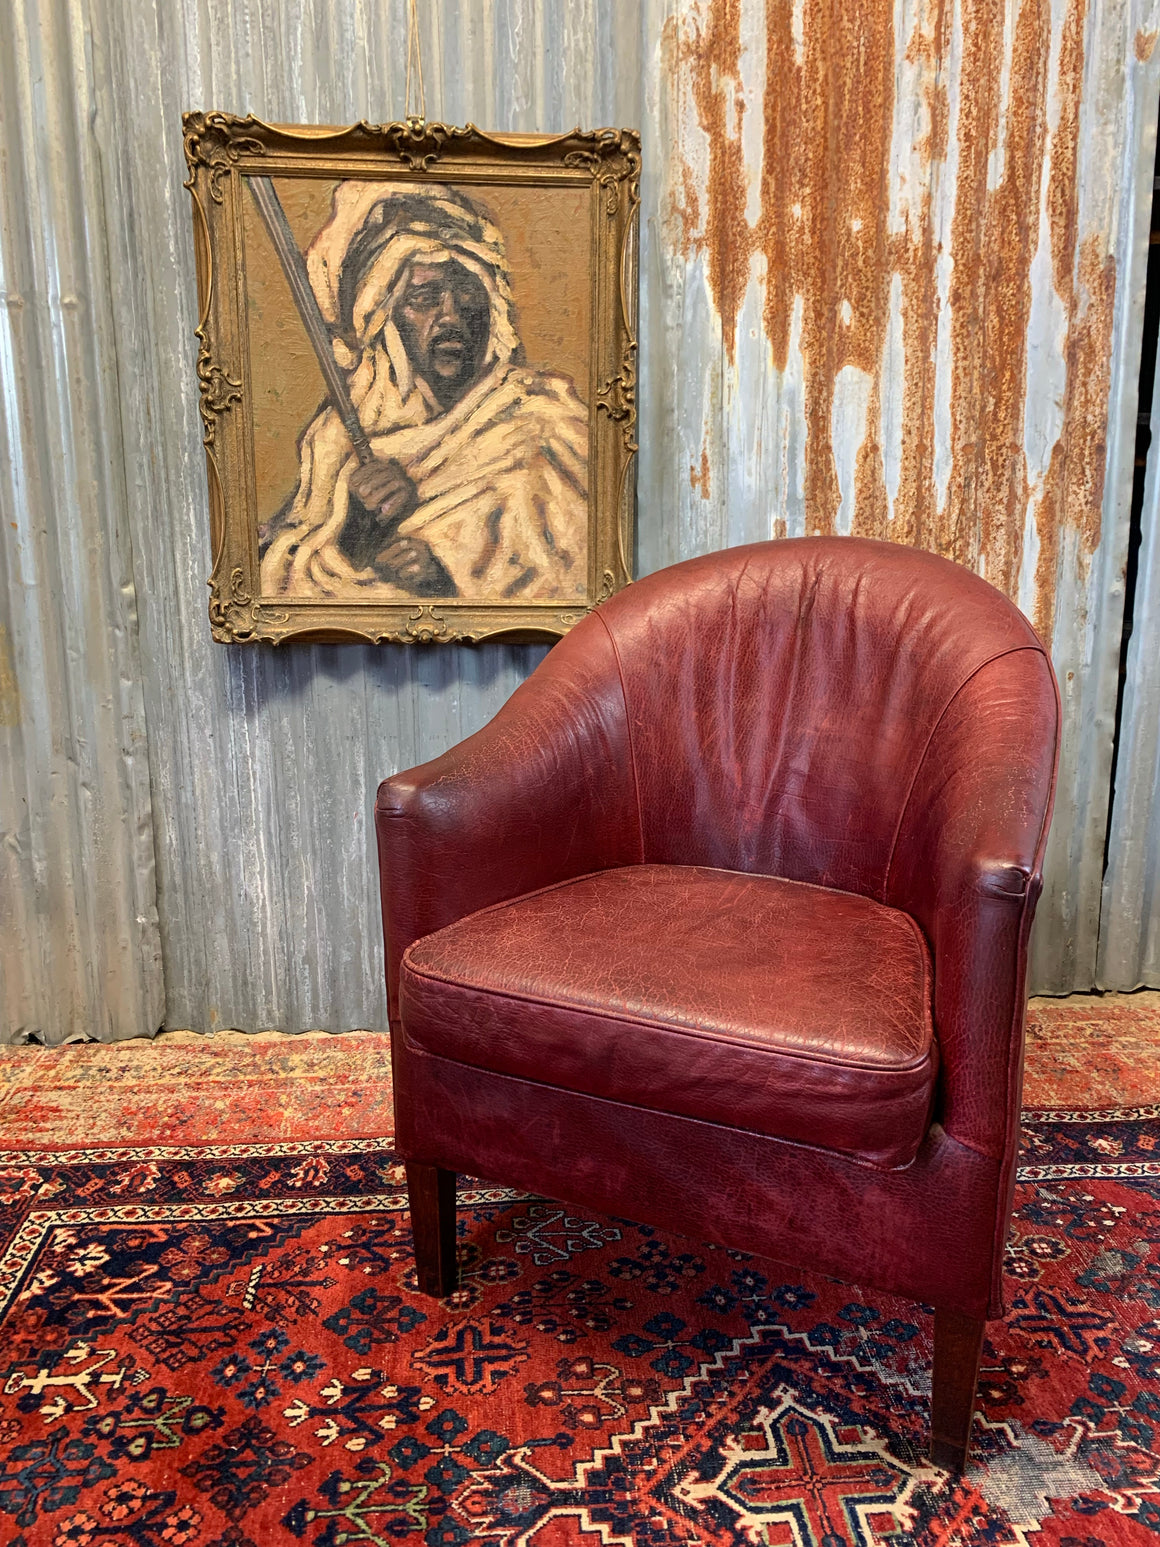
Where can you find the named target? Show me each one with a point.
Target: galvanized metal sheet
(901, 352)
(265, 762)
(1130, 922)
(908, 242)
(79, 945)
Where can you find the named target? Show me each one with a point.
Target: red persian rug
(222, 1346)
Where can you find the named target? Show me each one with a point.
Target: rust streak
(782, 133)
(914, 508)
(1074, 485)
(1062, 187)
(994, 234)
(823, 223)
(711, 55)
(823, 230)
(1145, 43)
(690, 208)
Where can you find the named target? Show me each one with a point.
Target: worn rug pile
(210, 1334)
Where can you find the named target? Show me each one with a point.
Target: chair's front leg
(958, 1345)
(431, 1195)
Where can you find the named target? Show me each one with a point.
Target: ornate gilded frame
(220, 150)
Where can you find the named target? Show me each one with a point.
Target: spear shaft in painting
(294, 267)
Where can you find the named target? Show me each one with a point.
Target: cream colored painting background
(548, 237)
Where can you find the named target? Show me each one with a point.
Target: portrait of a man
(472, 481)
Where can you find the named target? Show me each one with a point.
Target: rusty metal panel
(891, 264)
(907, 240)
(265, 762)
(1130, 921)
(79, 944)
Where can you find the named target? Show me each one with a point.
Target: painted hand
(409, 562)
(384, 487)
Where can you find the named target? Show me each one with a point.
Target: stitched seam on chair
(1049, 806)
(1001, 1159)
(623, 1018)
(629, 734)
(747, 875)
(844, 1156)
(924, 952)
(1009, 1159)
(967, 680)
(1037, 861)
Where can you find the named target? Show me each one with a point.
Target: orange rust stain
(1074, 486)
(871, 507)
(1012, 237)
(1085, 278)
(682, 211)
(711, 57)
(994, 234)
(824, 206)
(1062, 187)
(1145, 43)
(700, 480)
(1063, 216)
(915, 256)
(690, 207)
(978, 127)
(824, 202)
(782, 133)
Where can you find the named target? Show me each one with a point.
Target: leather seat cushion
(786, 1009)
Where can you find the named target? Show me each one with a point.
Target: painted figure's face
(443, 321)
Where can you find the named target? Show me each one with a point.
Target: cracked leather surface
(853, 715)
(705, 992)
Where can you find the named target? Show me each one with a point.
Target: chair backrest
(782, 697)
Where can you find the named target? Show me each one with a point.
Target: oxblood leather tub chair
(721, 925)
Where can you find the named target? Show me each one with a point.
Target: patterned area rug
(181, 1088)
(222, 1346)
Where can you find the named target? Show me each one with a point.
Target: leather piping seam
(628, 733)
(999, 655)
(622, 1019)
(845, 1157)
(745, 875)
(1009, 1159)
(925, 956)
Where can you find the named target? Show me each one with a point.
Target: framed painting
(417, 375)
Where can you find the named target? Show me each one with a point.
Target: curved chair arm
(967, 865)
(543, 792)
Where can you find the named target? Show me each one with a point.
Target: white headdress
(359, 262)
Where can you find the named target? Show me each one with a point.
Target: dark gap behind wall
(1143, 441)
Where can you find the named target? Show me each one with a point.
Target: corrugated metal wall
(264, 762)
(79, 948)
(834, 228)
(906, 246)
(1130, 922)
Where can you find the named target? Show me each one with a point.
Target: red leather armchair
(721, 924)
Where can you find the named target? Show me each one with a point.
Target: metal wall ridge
(79, 943)
(1129, 955)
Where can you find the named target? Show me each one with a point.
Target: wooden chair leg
(958, 1346)
(431, 1195)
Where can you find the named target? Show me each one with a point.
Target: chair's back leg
(431, 1194)
(958, 1345)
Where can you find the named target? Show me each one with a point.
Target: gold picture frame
(417, 375)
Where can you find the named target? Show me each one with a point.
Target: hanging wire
(415, 56)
